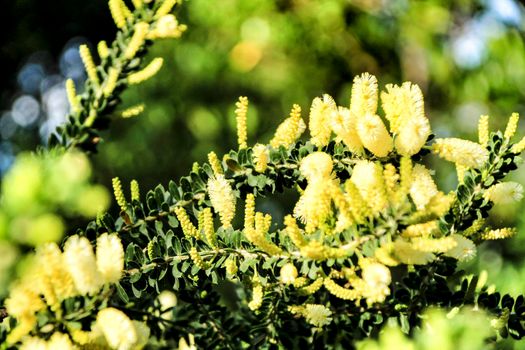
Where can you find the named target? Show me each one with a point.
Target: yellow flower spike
(231, 266)
(257, 297)
(403, 104)
(313, 287)
(406, 253)
(80, 261)
(391, 178)
(315, 314)
(464, 250)
(476, 226)
(117, 328)
(512, 126)
(111, 81)
(206, 226)
(345, 217)
(249, 212)
(301, 282)
(260, 157)
(257, 235)
(289, 130)
(340, 292)
(425, 229)
(368, 178)
(215, 163)
(501, 233)
(197, 259)
(412, 136)
(293, 231)
(137, 40)
(384, 255)
(240, 116)
(314, 206)
(364, 95)
(135, 190)
(102, 49)
(359, 207)
(288, 273)
(423, 187)
(133, 111)
(89, 64)
(343, 123)
(440, 204)
(222, 199)
(137, 3)
(483, 130)
(119, 194)
(55, 275)
(316, 250)
(374, 135)
(460, 171)
(504, 193)
(147, 72)
(518, 147)
(316, 166)
(110, 257)
(319, 125)
(187, 226)
(434, 245)
(165, 8)
(119, 12)
(167, 27)
(463, 152)
(72, 96)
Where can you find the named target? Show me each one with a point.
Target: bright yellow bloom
(289, 130)
(133, 111)
(315, 314)
(423, 187)
(413, 134)
(340, 292)
(135, 191)
(222, 199)
(81, 263)
(374, 135)
(137, 40)
(293, 231)
(434, 245)
(406, 253)
(91, 69)
(167, 27)
(249, 212)
(147, 72)
(368, 178)
(320, 114)
(111, 81)
(60, 341)
(241, 115)
(288, 273)
(119, 12)
(187, 226)
(376, 279)
(257, 234)
(206, 226)
(316, 165)
(72, 96)
(117, 328)
(518, 147)
(231, 266)
(215, 163)
(512, 126)
(197, 259)
(504, 192)
(364, 95)
(33, 343)
(463, 152)
(314, 206)
(165, 8)
(260, 158)
(501, 233)
(483, 130)
(102, 49)
(119, 194)
(313, 287)
(464, 250)
(424, 229)
(23, 301)
(110, 257)
(402, 104)
(257, 296)
(343, 123)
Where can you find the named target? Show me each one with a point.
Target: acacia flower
(222, 199)
(81, 263)
(462, 152)
(117, 328)
(504, 193)
(374, 135)
(110, 257)
(464, 250)
(288, 273)
(319, 124)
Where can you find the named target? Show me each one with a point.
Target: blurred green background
(468, 56)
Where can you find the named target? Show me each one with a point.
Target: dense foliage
(370, 244)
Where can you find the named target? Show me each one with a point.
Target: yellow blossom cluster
(58, 275)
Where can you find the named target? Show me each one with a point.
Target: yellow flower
(412, 136)
(33, 343)
(464, 250)
(319, 124)
(368, 178)
(137, 40)
(81, 263)
(462, 152)
(423, 187)
(241, 115)
(314, 206)
(117, 328)
(167, 300)
(288, 273)
(222, 199)
(483, 130)
(504, 193)
(110, 257)
(260, 158)
(364, 95)
(316, 165)
(374, 135)
(289, 130)
(60, 341)
(406, 253)
(147, 72)
(315, 314)
(343, 123)
(257, 297)
(512, 125)
(499, 233)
